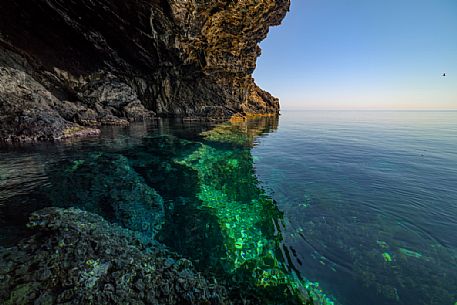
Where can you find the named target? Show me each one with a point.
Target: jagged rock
(101, 62)
(76, 257)
(112, 100)
(27, 111)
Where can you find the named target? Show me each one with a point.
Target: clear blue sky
(363, 54)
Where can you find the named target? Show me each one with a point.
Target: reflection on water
(327, 209)
(192, 187)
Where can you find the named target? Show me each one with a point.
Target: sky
(363, 54)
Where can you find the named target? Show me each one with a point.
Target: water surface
(370, 200)
(343, 207)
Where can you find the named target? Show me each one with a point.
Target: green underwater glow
(76, 164)
(196, 192)
(387, 257)
(403, 251)
(410, 253)
(247, 217)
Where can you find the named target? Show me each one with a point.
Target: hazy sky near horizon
(345, 54)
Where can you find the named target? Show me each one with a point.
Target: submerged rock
(76, 257)
(100, 62)
(247, 217)
(105, 184)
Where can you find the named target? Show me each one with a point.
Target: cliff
(67, 67)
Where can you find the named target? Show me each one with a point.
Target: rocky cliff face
(69, 66)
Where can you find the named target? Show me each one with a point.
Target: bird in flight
(444, 74)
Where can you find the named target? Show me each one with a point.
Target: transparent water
(343, 207)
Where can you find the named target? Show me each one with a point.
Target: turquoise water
(349, 208)
(370, 200)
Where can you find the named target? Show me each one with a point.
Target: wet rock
(113, 101)
(95, 63)
(135, 111)
(84, 273)
(28, 110)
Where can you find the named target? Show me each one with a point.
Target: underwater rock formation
(248, 218)
(67, 67)
(75, 257)
(106, 184)
(196, 193)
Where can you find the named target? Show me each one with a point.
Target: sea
(341, 207)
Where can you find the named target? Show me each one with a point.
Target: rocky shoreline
(68, 68)
(75, 257)
(134, 233)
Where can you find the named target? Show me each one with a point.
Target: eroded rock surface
(78, 258)
(67, 67)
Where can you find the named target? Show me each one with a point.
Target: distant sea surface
(359, 207)
(370, 199)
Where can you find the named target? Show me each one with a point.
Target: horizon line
(368, 109)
